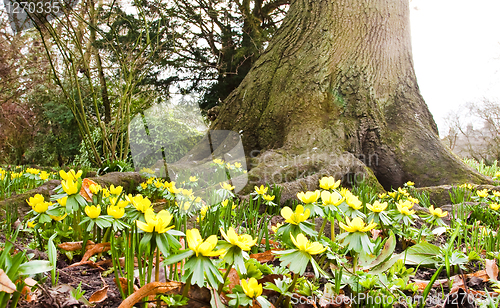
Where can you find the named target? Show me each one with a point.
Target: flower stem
(323, 225)
(221, 286)
(355, 262)
(187, 286)
(332, 229)
(292, 287)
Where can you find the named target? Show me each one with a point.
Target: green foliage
(172, 139)
(484, 168)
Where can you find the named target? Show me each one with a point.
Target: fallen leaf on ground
(72, 246)
(263, 257)
(99, 295)
(492, 269)
(85, 190)
(6, 285)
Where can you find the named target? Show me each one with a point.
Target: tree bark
(338, 76)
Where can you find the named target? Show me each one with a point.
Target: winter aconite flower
(261, 190)
(404, 207)
(41, 207)
(495, 206)
(437, 212)
(483, 193)
(69, 186)
(295, 217)
(226, 186)
(308, 197)
(156, 222)
(59, 218)
(328, 183)
(93, 211)
(410, 183)
(356, 225)
(200, 247)
(62, 201)
(115, 190)
(116, 211)
(303, 244)
(32, 201)
(268, 198)
(329, 198)
(70, 175)
(251, 288)
(139, 202)
(353, 201)
(377, 207)
(244, 241)
(193, 179)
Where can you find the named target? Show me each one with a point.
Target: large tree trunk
(338, 76)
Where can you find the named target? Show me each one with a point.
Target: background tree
(221, 42)
(338, 76)
(474, 130)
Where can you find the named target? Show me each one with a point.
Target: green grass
(482, 167)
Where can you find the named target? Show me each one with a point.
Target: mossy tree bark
(338, 76)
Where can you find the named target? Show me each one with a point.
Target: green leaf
(385, 254)
(34, 267)
(423, 253)
(178, 257)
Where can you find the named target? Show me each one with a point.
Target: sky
(456, 53)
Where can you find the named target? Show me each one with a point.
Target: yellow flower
(115, 190)
(169, 184)
(295, 217)
(309, 197)
(437, 212)
(59, 218)
(71, 175)
(41, 207)
(69, 186)
(328, 183)
(158, 184)
(353, 201)
(496, 193)
(187, 192)
(203, 210)
(218, 161)
(377, 207)
(495, 206)
(303, 244)
(483, 193)
(410, 183)
(31, 224)
(403, 192)
(413, 200)
(404, 207)
(268, 198)
(95, 188)
(251, 288)
(62, 201)
(174, 190)
(237, 165)
(262, 190)
(382, 196)
(93, 211)
(224, 203)
(44, 175)
(32, 201)
(275, 228)
(200, 247)
(193, 179)
(392, 194)
(32, 171)
(144, 185)
(116, 211)
(331, 198)
(357, 225)
(150, 181)
(226, 186)
(139, 202)
(156, 222)
(244, 241)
